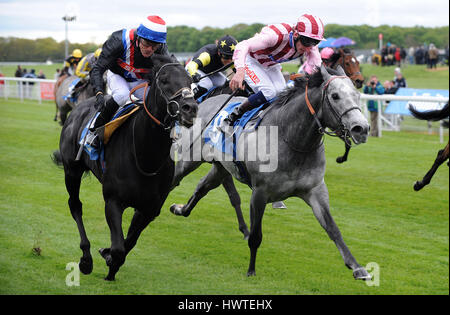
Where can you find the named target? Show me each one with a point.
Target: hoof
(85, 265)
(176, 209)
(340, 160)
(417, 186)
(251, 273)
(110, 278)
(361, 274)
(278, 205)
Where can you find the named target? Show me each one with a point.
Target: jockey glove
(99, 102)
(196, 78)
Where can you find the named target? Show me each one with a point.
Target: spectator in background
(419, 55)
(397, 57)
(389, 87)
(403, 55)
(399, 80)
(19, 72)
(411, 55)
(41, 75)
(2, 84)
(57, 74)
(373, 87)
(433, 55)
(29, 85)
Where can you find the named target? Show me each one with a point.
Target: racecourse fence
(42, 89)
(26, 88)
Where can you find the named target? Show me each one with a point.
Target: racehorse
(138, 170)
(300, 160)
(64, 106)
(443, 155)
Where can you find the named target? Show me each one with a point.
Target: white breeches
(269, 80)
(120, 88)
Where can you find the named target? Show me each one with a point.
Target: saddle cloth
(69, 96)
(249, 122)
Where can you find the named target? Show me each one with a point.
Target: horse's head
(340, 107)
(172, 86)
(351, 67)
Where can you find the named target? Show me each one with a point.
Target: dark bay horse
(138, 170)
(443, 155)
(298, 117)
(64, 106)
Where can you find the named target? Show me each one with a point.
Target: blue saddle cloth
(216, 138)
(99, 153)
(72, 85)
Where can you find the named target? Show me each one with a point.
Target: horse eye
(335, 96)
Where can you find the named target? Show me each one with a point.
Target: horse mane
(313, 80)
(336, 55)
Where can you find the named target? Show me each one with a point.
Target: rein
(184, 92)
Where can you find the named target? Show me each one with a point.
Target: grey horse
(63, 107)
(296, 135)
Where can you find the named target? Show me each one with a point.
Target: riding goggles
(308, 42)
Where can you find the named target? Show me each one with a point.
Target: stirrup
(226, 127)
(92, 139)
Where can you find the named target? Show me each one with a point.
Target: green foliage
(189, 39)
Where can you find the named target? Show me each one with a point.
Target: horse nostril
(186, 108)
(357, 130)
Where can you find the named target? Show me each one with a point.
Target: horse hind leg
(235, 200)
(115, 255)
(73, 182)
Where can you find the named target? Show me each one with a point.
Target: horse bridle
(184, 92)
(341, 132)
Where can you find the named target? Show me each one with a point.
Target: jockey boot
(199, 91)
(106, 113)
(226, 126)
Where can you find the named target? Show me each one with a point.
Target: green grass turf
(381, 217)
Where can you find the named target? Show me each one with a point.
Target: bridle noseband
(341, 132)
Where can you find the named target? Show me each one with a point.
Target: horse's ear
(325, 75)
(340, 70)
(174, 59)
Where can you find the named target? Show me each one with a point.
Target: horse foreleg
(342, 159)
(442, 156)
(73, 181)
(211, 181)
(235, 200)
(318, 200)
(115, 256)
(257, 207)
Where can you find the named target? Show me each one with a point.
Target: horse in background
(443, 155)
(63, 104)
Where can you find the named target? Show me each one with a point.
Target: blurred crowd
(390, 55)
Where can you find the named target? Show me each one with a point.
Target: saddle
(249, 122)
(104, 133)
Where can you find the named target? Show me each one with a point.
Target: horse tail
(433, 115)
(56, 158)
